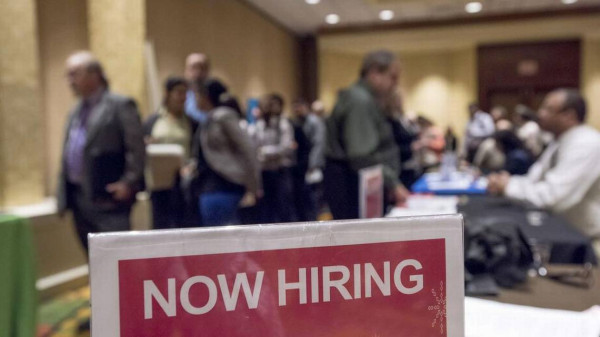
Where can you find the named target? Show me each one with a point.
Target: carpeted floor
(61, 316)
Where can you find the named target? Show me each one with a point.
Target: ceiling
(301, 17)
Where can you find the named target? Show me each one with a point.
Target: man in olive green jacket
(359, 136)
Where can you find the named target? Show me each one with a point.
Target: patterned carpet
(61, 316)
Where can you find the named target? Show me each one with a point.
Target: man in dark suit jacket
(103, 153)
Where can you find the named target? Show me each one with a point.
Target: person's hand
(149, 140)
(417, 145)
(401, 194)
(259, 194)
(463, 165)
(497, 182)
(476, 172)
(187, 170)
(120, 191)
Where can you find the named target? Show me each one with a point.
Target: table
(17, 278)
(567, 245)
(458, 183)
(547, 293)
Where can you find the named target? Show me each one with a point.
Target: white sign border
(107, 249)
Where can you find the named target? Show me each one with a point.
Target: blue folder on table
(456, 183)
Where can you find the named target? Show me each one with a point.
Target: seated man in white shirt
(566, 178)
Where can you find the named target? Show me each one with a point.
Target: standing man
(359, 136)
(103, 152)
(566, 178)
(273, 135)
(197, 69)
(480, 127)
(309, 133)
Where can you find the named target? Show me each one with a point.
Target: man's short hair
(574, 100)
(91, 64)
(277, 98)
(194, 58)
(300, 101)
(379, 61)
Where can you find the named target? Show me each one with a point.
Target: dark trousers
(277, 204)
(408, 177)
(90, 218)
(175, 207)
(167, 209)
(306, 209)
(341, 190)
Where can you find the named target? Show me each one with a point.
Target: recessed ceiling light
(312, 2)
(332, 19)
(474, 7)
(569, 2)
(386, 15)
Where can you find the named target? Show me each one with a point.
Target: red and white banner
(371, 192)
(389, 277)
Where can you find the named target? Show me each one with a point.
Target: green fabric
(359, 134)
(18, 297)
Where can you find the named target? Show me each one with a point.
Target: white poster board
(382, 277)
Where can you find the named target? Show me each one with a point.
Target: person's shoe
(83, 326)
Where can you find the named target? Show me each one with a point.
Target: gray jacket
(314, 128)
(115, 130)
(228, 149)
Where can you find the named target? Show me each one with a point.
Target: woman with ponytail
(226, 161)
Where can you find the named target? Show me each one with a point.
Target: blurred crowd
(293, 161)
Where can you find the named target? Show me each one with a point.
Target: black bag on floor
(496, 247)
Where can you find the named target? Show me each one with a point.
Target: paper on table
(419, 205)
(164, 162)
(485, 318)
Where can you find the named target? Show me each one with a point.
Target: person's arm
(135, 153)
(318, 146)
(563, 186)
(245, 147)
(489, 125)
(287, 143)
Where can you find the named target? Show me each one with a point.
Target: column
(21, 118)
(117, 31)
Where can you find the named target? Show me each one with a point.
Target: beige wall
(591, 78)
(439, 63)
(117, 31)
(440, 85)
(63, 30)
(336, 71)
(21, 118)
(249, 53)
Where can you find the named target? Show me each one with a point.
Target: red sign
(371, 192)
(383, 289)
